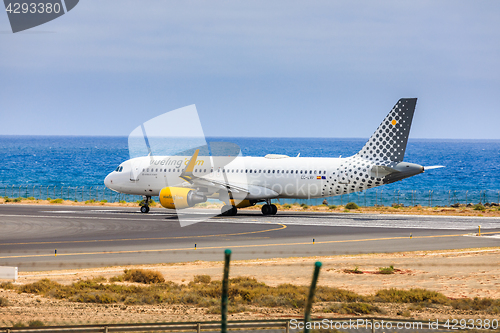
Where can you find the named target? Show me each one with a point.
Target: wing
(249, 191)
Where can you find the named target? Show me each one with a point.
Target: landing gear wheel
(145, 207)
(229, 210)
(274, 210)
(269, 209)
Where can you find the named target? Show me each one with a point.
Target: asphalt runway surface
(104, 236)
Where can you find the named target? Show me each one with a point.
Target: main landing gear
(269, 209)
(228, 210)
(145, 206)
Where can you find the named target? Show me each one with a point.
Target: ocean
(74, 167)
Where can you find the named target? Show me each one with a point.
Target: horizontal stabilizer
(381, 170)
(433, 167)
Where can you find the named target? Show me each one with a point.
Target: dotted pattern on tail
(386, 147)
(388, 143)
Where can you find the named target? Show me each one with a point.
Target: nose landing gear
(145, 204)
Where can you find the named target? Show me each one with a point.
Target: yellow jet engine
(179, 197)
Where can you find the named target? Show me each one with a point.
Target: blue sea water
(472, 166)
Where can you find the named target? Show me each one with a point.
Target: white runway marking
(378, 221)
(318, 219)
(59, 211)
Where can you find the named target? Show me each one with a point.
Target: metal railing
(372, 197)
(373, 323)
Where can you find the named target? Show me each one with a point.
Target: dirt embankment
(455, 274)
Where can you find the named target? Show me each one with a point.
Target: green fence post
(307, 314)
(225, 291)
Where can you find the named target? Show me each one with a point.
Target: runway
(104, 236)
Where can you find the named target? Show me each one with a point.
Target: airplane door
(135, 170)
(134, 173)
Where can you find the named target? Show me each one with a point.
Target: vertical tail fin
(388, 143)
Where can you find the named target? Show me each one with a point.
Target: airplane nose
(108, 181)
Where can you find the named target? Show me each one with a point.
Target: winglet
(187, 174)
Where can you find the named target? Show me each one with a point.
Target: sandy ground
(455, 273)
(489, 211)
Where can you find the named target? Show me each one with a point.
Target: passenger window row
(305, 172)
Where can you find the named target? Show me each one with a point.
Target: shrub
(479, 207)
(287, 206)
(122, 201)
(39, 287)
(386, 270)
(332, 207)
(17, 199)
(304, 206)
(30, 198)
(90, 201)
(202, 279)
(4, 302)
(36, 323)
(104, 201)
(414, 295)
(7, 285)
(118, 278)
(351, 205)
(479, 304)
(143, 276)
(326, 294)
(353, 271)
(56, 201)
(95, 297)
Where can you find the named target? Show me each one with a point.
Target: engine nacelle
(179, 197)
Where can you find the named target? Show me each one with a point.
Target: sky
(255, 68)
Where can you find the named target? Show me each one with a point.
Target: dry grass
(143, 276)
(416, 295)
(202, 279)
(386, 270)
(488, 305)
(7, 285)
(244, 293)
(4, 302)
(201, 292)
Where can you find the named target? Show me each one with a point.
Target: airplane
(184, 181)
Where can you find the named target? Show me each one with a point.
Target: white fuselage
(286, 177)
